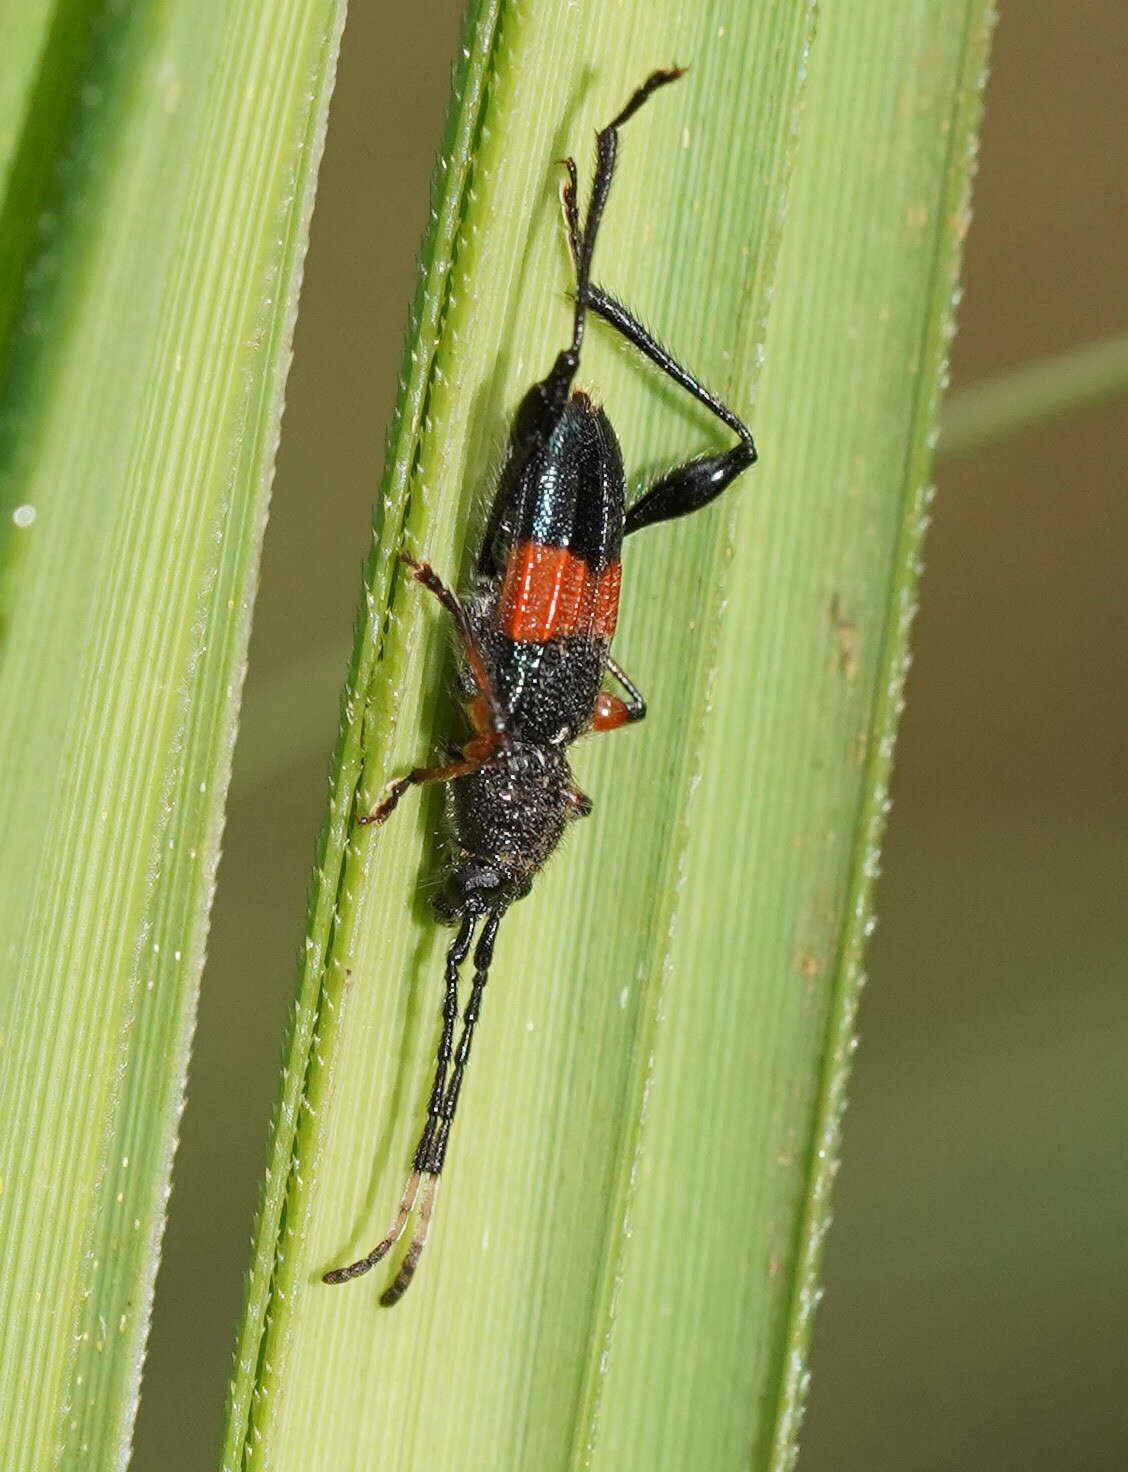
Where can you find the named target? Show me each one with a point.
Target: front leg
(472, 759)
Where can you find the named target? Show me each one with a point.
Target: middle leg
(611, 711)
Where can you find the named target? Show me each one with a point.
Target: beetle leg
(424, 573)
(690, 486)
(611, 711)
(579, 804)
(606, 150)
(473, 759)
(699, 481)
(635, 703)
(569, 196)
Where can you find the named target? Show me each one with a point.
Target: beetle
(535, 636)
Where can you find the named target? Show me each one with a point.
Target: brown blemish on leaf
(846, 634)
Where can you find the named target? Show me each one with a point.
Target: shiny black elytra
(536, 637)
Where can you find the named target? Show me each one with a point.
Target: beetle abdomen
(545, 625)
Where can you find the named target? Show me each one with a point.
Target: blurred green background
(977, 1293)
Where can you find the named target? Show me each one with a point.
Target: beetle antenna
(381, 1250)
(429, 1186)
(430, 1154)
(433, 1146)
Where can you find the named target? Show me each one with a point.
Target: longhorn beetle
(535, 635)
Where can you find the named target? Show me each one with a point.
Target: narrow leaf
(137, 429)
(523, 1237)
(622, 1266)
(1000, 408)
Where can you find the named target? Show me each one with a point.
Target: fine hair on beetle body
(534, 632)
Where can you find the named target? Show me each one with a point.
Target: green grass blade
(1000, 408)
(139, 418)
(622, 1269)
(752, 1022)
(45, 47)
(518, 1253)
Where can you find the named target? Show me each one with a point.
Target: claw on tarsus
(421, 1188)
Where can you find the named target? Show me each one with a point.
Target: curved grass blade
(138, 422)
(507, 1315)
